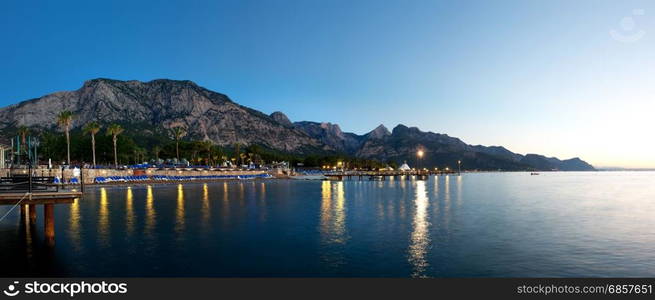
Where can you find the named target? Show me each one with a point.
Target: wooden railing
(26, 183)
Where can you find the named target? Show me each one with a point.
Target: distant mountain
(541, 162)
(441, 150)
(331, 135)
(151, 108)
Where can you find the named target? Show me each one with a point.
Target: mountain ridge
(209, 115)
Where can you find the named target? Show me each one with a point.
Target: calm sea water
(490, 224)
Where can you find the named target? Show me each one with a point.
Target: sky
(559, 78)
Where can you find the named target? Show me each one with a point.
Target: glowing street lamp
(419, 155)
(459, 166)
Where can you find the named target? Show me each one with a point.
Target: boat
(534, 173)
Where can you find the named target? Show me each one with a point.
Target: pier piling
(23, 212)
(31, 208)
(49, 221)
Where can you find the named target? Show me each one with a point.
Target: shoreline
(153, 182)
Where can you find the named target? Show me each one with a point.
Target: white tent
(404, 167)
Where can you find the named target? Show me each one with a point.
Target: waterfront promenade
(88, 176)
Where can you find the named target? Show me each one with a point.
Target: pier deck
(39, 198)
(29, 201)
(384, 174)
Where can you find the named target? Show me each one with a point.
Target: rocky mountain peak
(378, 133)
(281, 118)
(333, 129)
(156, 106)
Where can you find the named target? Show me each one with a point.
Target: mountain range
(155, 106)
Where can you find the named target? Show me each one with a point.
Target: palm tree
(65, 120)
(22, 144)
(178, 133)
(155, 151)
(114, 130)
(92, 128)
(207, 145)
(139, 155)
(23, 131)
(238, 153)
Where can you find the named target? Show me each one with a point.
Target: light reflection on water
(179, 212)
(420, 239)
(151, 214)
(74, 226)
(489, 224)
(206, 210)
(103, 219)
(333, 223)
(129, 211)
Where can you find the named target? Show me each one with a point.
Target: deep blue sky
(534, 76)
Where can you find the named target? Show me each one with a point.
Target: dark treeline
(136, 149)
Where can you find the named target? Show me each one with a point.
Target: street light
(419, 154)
(459, 167)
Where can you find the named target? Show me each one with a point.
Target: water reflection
(339, 214)
(420, 237)
(242, 193)
(263, 212)
(262, 195)
(151, 215)
(206, 212)
(74, 223)
(103, 218)
(459, 190)
(129, 211)
(29, 230)
(326, 200)
(446, 205)
(179, 212)
(333, 222)
(225, 192)
(225, 205)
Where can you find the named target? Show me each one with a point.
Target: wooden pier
(28, 202)
(382, 175)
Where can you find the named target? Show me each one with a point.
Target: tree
(139, 155)
(207, 146)
(155, 151)
(238, 153)
(65, 121)
(23, 131)
(114, 130)
(91, 129)
(178, 133)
